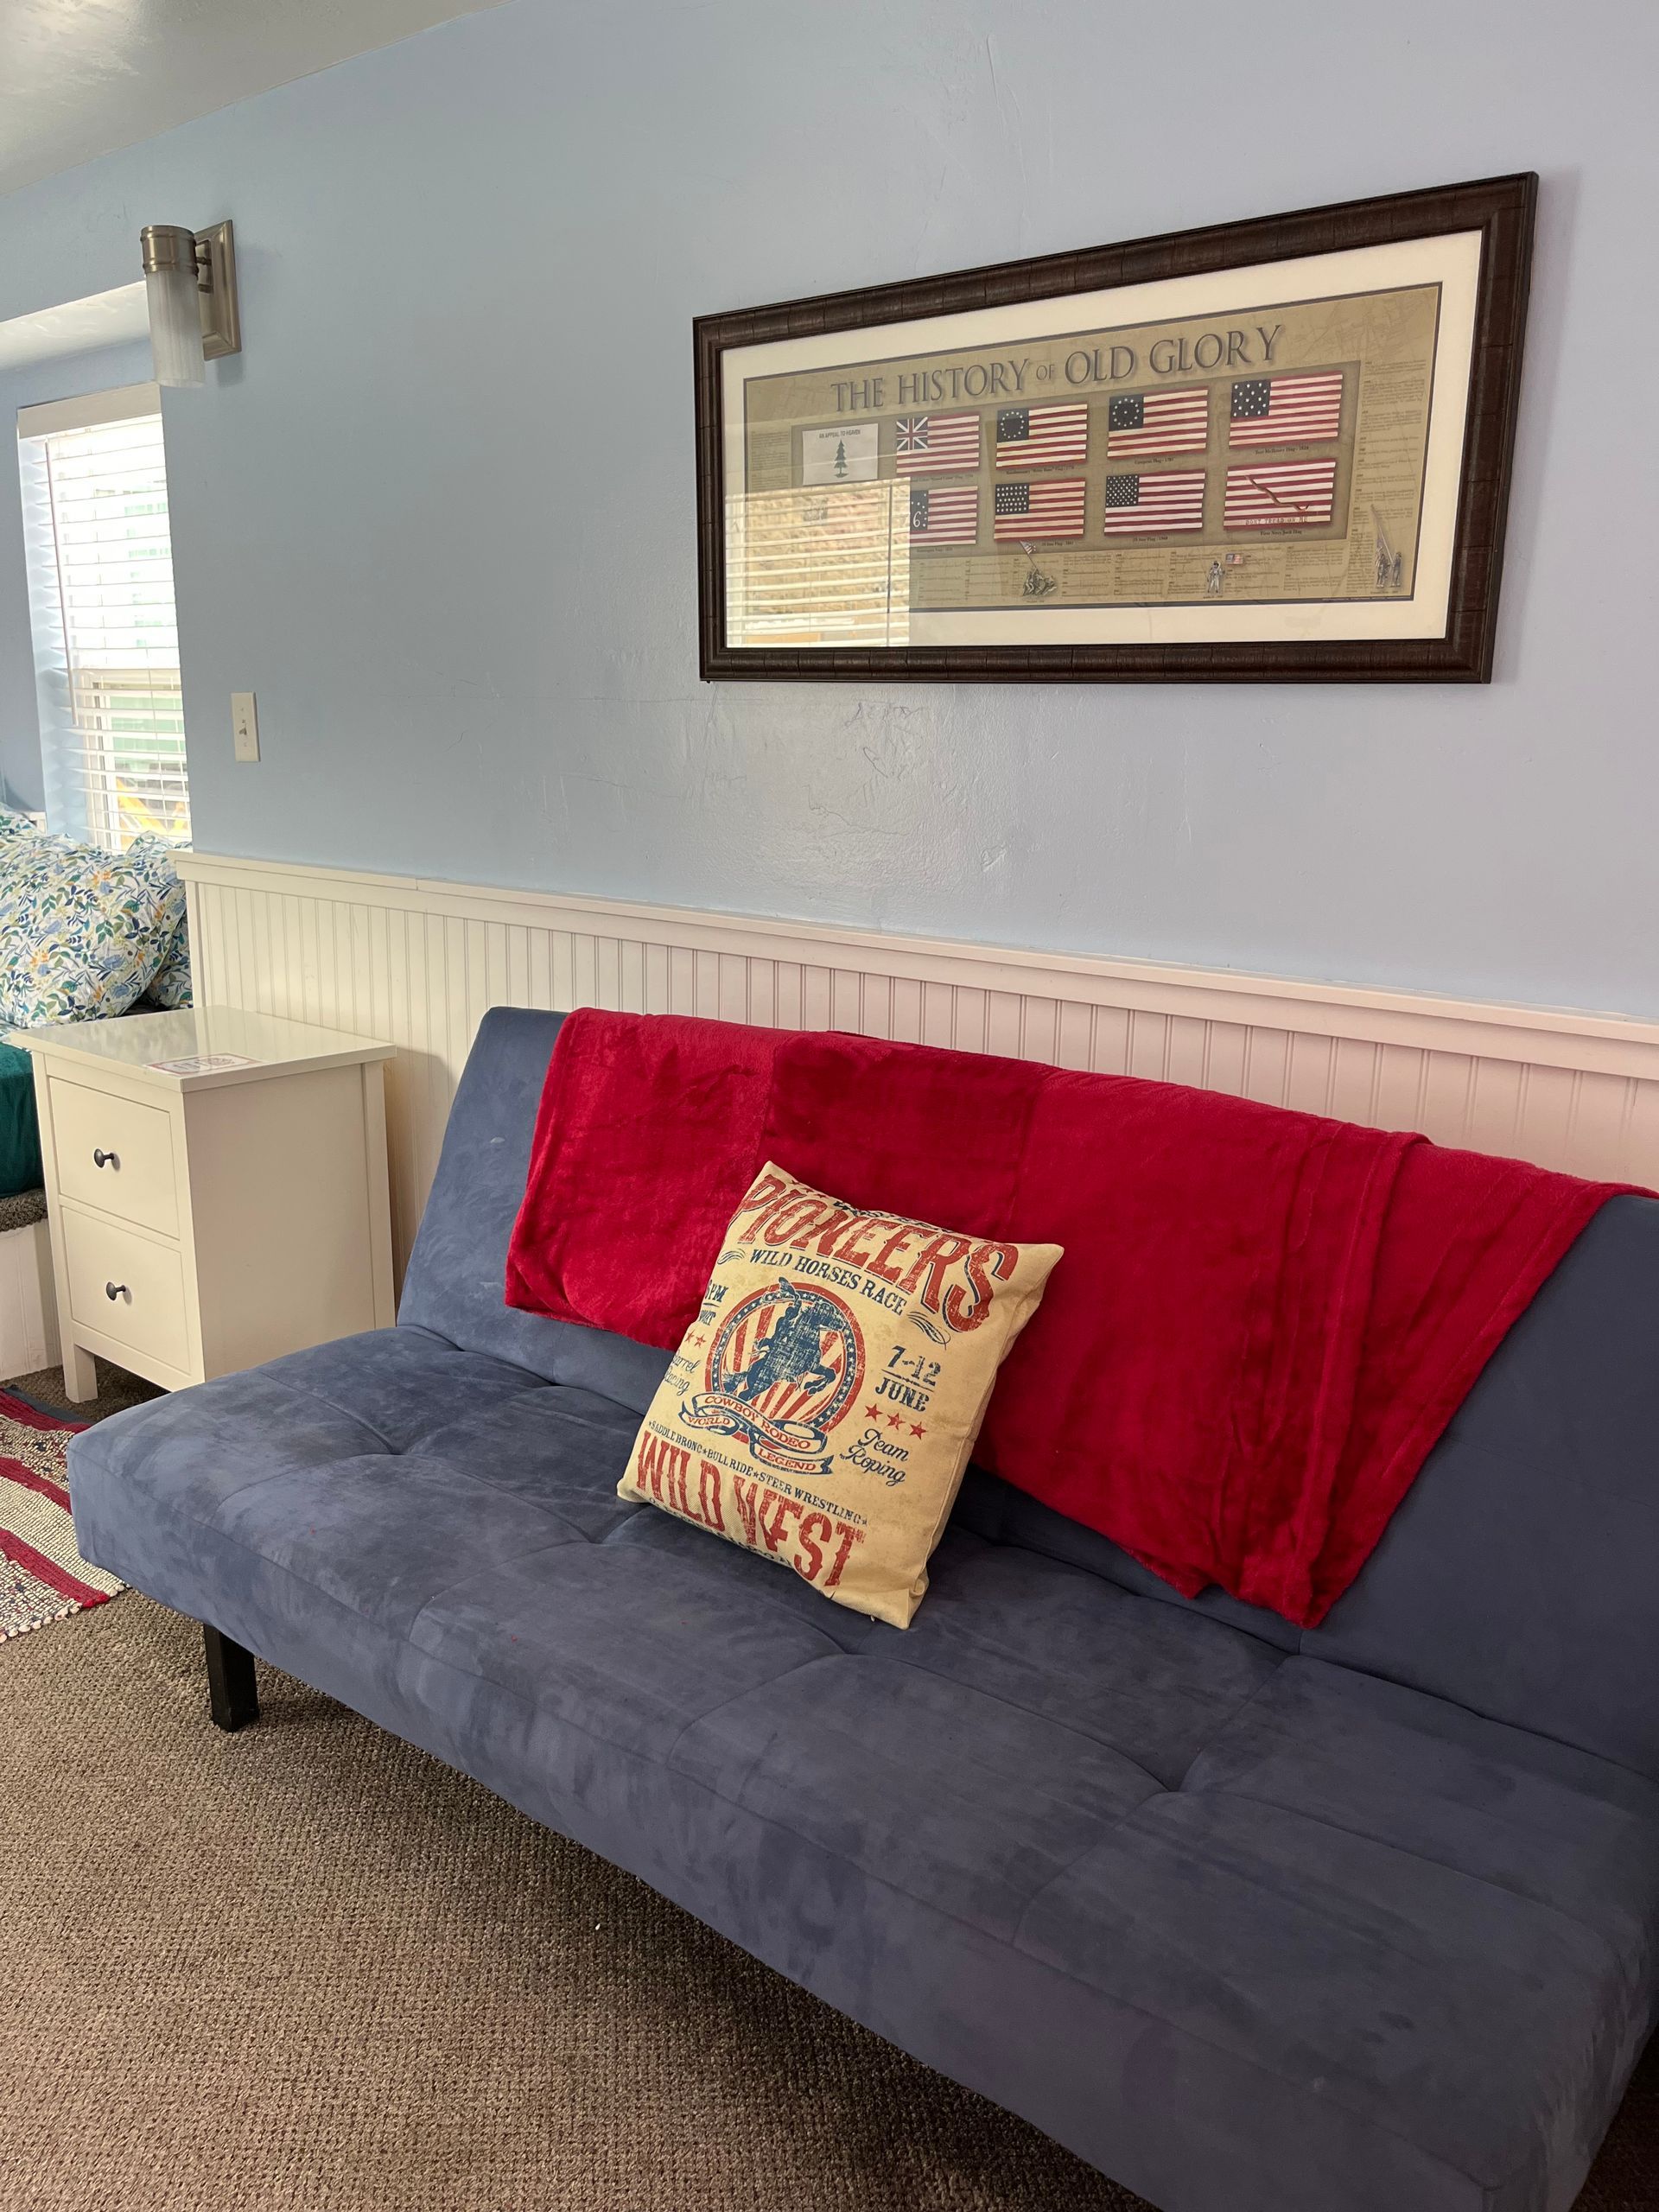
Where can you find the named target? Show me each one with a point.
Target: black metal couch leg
(233, 1697)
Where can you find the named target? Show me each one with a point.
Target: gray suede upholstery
(1359, 1920)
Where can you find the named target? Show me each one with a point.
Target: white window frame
(80, 703)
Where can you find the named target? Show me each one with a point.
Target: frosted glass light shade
(176, 325)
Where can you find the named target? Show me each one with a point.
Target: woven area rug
(42, 1577)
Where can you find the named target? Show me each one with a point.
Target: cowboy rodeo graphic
(779, 1373)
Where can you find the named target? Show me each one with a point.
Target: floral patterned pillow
(170, 985)
(82, 932)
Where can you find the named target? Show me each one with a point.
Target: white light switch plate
(244, 726)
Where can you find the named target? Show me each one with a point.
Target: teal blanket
(20, 1134)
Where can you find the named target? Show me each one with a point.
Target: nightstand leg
(233, 1697)
(80, 1373)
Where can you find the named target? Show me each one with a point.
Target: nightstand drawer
(147, 1308)
(115, 1154)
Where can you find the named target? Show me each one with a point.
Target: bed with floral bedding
(84, 934)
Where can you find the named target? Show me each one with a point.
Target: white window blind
(107, 640)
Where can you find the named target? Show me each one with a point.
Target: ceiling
(82, 77)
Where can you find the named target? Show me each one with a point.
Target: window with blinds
(107, 640)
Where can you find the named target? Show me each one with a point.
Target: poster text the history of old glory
(1084, 365)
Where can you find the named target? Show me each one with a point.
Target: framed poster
(1273, 451)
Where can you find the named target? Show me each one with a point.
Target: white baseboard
(28, 1306)
(418, 961)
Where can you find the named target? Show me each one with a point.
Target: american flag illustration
(1276, 495)
(1172, 501)
(1046, 510)
(945, 515)
(927, 443)
(1158, 421)
(1031, 437)
(1285, 410)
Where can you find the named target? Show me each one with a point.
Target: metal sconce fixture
(191, 278)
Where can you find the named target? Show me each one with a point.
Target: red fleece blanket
(1262, 1324)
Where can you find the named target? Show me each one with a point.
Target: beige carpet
(307, 1967)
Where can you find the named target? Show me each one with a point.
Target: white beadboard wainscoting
(418, 962)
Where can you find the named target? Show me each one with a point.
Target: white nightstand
(217, 1187)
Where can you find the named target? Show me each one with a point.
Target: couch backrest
(1520, 1578)
(458, 1269)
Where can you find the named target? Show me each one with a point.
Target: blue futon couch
(1359, 1919)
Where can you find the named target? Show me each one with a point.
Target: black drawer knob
(113, 1290)
(101, 1159)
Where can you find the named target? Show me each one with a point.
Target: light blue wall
(439, 516)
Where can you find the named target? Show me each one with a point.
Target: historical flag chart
(880, 489)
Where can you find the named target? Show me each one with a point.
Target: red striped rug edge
(13, 1408)
(49, 1571)
(14, 1470)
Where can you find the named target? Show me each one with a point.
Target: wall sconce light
(190, 276)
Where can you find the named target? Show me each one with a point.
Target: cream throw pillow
(821, 1409)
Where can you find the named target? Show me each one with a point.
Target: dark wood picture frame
(1501, 208)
